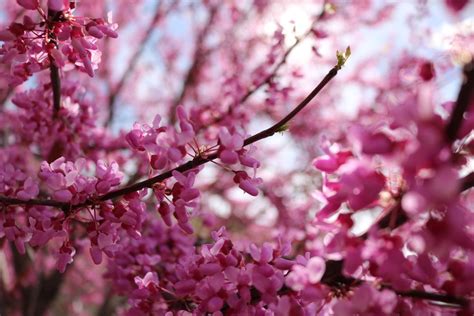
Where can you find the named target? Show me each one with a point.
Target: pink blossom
(456, 5)
(56, 5)
(65, 257)
(230, 144)
(246, 183)
(29, 4)
(30, 189)
(150, 279)
(330, 163)
(300, 276)
(427, 71)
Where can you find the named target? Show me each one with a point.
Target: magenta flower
(29, 4)
(246, 183)
(230, 145)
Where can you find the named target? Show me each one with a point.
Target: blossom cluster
(413, 174)
(166, 146)
(70, 183)
(72, 135)
(59, 38)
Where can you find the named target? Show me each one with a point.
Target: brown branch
(196, 162)
(299, 39)
(56, 86)
(6, 96)
(334, 277)
(250, 140)
(159, 13)
(464, 100)
(467, 182)
(53, 16)
(430, 296)
(49, 288)
(15, 201)
(280, 126)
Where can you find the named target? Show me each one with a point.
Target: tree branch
(430, 296)
(467, 182)
(5, 96)
(280, 126)
(56, 86)
(196, 162)
(15, 201)
(465, 99)
(334, 277)
(53, 69)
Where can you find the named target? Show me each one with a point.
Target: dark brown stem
(5, 96)
(53, 17)
(280, 126)
(107, 306)
(14, 201)
(200, 160)
(464, 100)
(467, 182)
(196, 162)
(435, 297)
(56, 86)
(334, 277)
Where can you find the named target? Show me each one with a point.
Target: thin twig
(196, 162)
(334, 277)
(5, 200)
(6, 96)
(464, 100)
(53, 69)
(436, 297)
(56, 86)
(467, 182)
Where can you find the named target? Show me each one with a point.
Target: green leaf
(283, 128)
(342, 57)
(329, 8)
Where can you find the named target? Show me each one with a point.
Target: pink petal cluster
(165, 145)
(357, 184)
(67, 40)
(366, 300)
(33, 121)
(68, 183)
(14, 179)
(183, 200)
